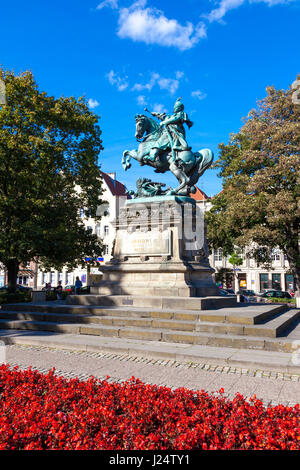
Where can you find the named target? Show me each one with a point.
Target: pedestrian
(78, 285)
(59, 290)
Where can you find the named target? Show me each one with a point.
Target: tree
(235, 260)
(259, 206)
(48, 171)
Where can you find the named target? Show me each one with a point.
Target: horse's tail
(204, 159)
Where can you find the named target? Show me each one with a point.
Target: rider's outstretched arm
(160, 116)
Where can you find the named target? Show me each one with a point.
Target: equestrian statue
(163, 146)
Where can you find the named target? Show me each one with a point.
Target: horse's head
(144, 125)
(140, 125)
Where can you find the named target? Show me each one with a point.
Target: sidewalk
(271, 376)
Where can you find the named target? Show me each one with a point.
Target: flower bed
(47, 412)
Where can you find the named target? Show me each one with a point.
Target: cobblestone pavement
(271, 387)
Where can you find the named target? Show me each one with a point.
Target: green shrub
(64, 294)
(51, 295)
(285, 301)
(11, 298)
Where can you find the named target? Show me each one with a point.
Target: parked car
(85, 290)
(71, 289)
(223, 292)
(247, 295)
(278, 294)
(20, 288)
(246, 292)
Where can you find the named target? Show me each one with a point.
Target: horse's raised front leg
(127, 155)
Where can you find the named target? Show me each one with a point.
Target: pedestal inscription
(152, 243)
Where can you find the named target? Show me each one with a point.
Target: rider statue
(173, 125)
(163, 146)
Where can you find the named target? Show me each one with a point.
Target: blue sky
(124, 55)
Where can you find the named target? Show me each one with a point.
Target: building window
(264, 281)
(23, 280)
(44, 277)
(52, 278)
(105, 249)
(289, 282)
(276, 281)
(275, 254)
(218, 254)
(68, 278)
(81, 213)
(242, 277)
(106, 230)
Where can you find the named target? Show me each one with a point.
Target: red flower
(47, 412)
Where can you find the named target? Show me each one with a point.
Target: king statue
(163, 146)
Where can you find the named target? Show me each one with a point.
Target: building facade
(249, 275)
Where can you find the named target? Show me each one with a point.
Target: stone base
(160, 250)
(153, 302)
(165, 279)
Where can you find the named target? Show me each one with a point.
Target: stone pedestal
(38, 296)
(160, 250)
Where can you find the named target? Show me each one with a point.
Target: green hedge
(11, 298)
(285, 301)
(52, 295)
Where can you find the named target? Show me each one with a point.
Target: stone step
(101, 320)
(270, 329)
(246, 315)
(255, 359)
(160, 302)
(155, 334)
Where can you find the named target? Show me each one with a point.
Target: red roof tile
(199, 195)
(116, 188)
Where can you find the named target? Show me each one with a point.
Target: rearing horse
(187, 170)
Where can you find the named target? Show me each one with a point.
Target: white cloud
(93, 103)
(199, 95)
(170, 84)
(151, 26)
(108, 3)
(119, 82)
(159, 108)
(225, 5)
(141, 100)
(179, 74)
(147, 86)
